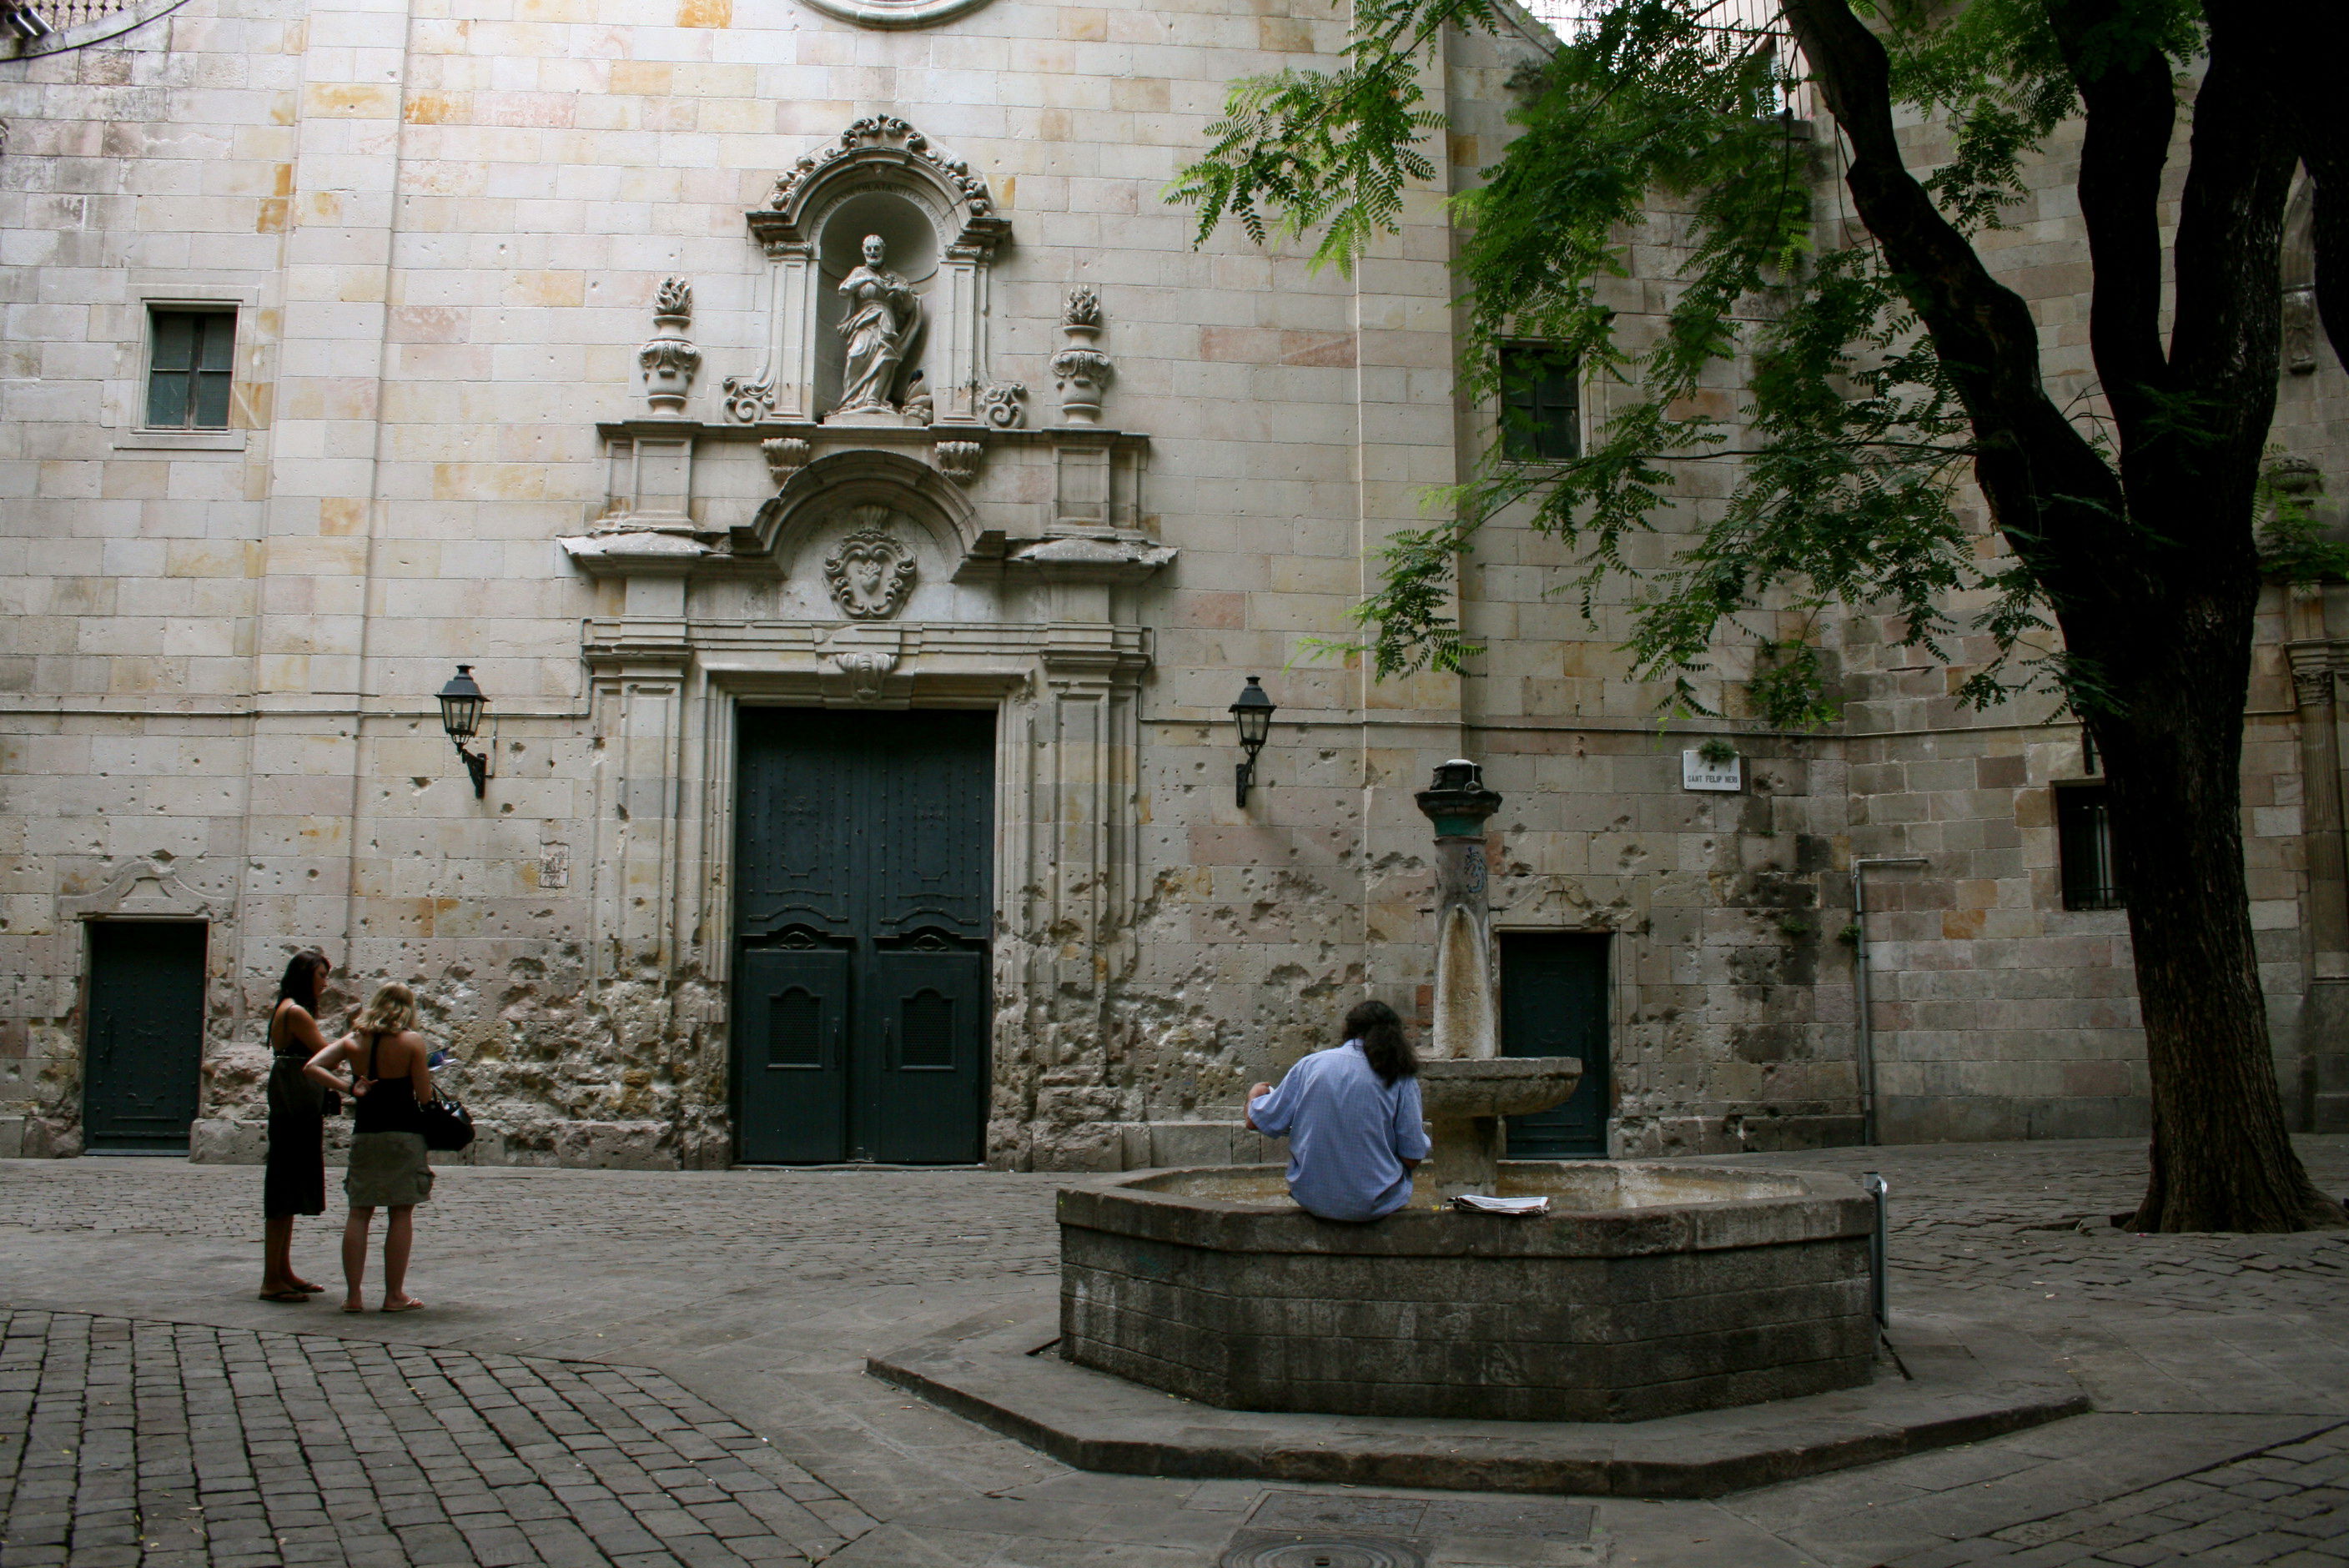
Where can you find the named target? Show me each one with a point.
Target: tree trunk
(2148, 562)
(2222, 1158)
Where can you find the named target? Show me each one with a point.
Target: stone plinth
(1650, 1290)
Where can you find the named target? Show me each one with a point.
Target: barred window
(189, 360)
(1541, 404)
(2083, 844)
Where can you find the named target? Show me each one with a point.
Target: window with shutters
(1541, 403)
(2084, 846)
(190, 356)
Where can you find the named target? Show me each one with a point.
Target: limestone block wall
(442, 226)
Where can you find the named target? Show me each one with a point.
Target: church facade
(861, 505)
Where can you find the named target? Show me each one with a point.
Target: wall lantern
(462, 703)
(1252, 715)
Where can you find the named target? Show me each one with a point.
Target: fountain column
(1466, 1026)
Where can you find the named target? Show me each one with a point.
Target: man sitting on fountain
(1351, 1116)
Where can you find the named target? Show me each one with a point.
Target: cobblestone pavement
(154, 1443)
(865, 1228)
(2287, 1506)
(2039, 1217)
(599, 1340)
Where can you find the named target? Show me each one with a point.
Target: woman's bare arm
(301, 1030)
(420, 1063)
(320, 1068)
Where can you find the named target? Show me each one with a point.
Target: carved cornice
(886, 149)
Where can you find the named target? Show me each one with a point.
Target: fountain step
(1971, 1380)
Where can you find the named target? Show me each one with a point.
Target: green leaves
(1787, 365)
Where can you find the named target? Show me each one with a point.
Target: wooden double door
(862, 917)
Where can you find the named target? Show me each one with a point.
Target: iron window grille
(190, 362)
(1541, 404)
(2084, 846)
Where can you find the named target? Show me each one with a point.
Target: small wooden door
(143, 1049)
(1554, 1003)
(862, 859)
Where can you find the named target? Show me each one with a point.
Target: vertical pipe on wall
(2325, 922)
(1866, 1052)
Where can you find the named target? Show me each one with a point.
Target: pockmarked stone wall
(472, 418)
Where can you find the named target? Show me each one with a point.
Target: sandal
(291, 1296)
(403, 1306)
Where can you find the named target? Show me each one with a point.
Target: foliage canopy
(1852, 445)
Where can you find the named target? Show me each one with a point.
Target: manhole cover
(1291, 1548)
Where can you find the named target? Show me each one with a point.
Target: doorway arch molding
(820, 491)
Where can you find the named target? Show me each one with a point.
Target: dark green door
(862, 917)
(1554, 1003)
(145, 1045)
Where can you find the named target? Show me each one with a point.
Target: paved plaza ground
(643, 1368)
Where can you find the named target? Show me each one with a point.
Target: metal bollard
(1878, 1188)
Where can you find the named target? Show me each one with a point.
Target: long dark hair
(1375, 1025)
(301, 982)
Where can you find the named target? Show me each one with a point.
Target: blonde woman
(389, 1067)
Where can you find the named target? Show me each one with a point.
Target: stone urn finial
(1082, 371)
(668, 357)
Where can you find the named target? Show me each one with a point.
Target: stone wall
(444, 232)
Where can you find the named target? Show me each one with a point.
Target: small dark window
(188, 368)
(1541, 404)
(2084, 835)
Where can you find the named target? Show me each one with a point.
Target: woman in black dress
(294, 1181)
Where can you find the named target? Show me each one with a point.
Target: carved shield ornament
(894, 12)
(871, 573)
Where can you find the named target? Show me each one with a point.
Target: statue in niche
(882, 315)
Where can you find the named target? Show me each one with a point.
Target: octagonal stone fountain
(1648, 1289)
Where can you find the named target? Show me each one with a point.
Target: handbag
(444, 1124)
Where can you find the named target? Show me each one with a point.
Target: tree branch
(2045, 484)
(2132, 110)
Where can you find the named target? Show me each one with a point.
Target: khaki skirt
(387, 1170)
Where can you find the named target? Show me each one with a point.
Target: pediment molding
(880, 151)
(890, 14)
(145, 889)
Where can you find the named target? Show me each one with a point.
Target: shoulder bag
(444, 1123)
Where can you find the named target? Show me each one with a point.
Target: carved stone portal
(871, 573)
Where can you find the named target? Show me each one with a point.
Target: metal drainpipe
(1859, 869)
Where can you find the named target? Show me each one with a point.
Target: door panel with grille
(791, 1013)
(863, 857)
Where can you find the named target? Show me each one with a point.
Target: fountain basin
(1650, 1289)
(1465, 1100)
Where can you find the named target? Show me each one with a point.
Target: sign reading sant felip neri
(1699, 773)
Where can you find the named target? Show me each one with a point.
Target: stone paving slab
(1971, 1381)
(761, 1293)
(164, 1444)
(2286, 1505)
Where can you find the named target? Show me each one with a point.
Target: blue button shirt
(1348, 1134)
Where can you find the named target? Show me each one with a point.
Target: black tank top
(389, 1106)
